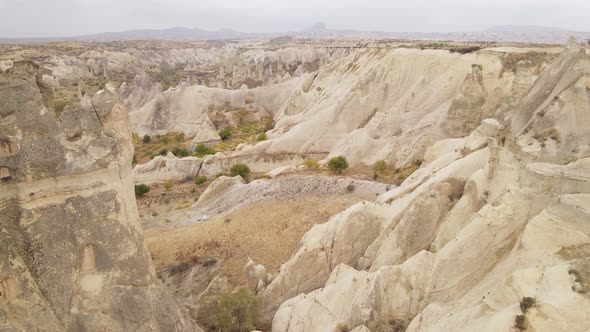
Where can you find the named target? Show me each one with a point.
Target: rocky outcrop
(71, 247)
(201, 111)
(383, 104)
(226, 194)
(167, 168)
(465, 111)
(490, 234)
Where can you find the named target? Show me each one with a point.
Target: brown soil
(267, 231)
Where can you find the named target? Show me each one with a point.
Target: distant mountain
(177, 33)
(501, 33)
(523, 28)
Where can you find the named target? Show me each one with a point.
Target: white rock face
(166, 168)
(375, 105)
(488, 221)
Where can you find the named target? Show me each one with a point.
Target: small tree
(261, 137)
(338, 164)
(240, 169)
(141, 189)
(147, 139)
(163, 152)
(225, 133)
(237, 311)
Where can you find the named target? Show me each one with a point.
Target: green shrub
(203, 150)
(147, 139)
(61, 104)
(311, 163)
(338, 164)
(380, 166)
(201, 179)
(163, 152)
(180, 152)
(167, 185)
(240, 169)
(141, 189)
(261, 137)
(237, 311)
(179, 137)
(225, 133)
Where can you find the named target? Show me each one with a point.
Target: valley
(346, 184)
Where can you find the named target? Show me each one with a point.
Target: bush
(261, 137)
(164, 139)
(240, 169)
(167, 185)
(311, 163)
(163, 152)
(147, 139)
(237, 311)
(141, 189)
(380, 166)
(338, 164)
(61, 104)
(179, 137)
(201, 179)
(180, 152)
(203, 150)
(225, 133)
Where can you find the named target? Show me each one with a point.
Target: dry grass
(144, 152)
(267, 231)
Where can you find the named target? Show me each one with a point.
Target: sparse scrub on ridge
(240, 169)
(202, 150)
(200, 180)
(180, 152)
(465, 50)
(179, 137)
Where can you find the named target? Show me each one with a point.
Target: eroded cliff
(72, 255)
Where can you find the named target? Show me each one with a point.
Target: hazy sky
(58, 18)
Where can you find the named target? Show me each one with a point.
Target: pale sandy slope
(490, 220)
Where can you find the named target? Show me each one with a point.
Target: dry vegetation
(538, 59)
(267, 231)
(146, 151)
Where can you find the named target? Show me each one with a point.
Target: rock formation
(71, 247)
(380, 105)
(167, 168)
(490, 234)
